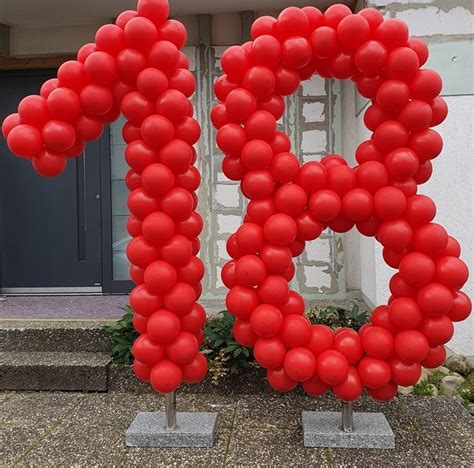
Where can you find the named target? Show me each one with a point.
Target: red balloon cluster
(136, 67)
(291, 203)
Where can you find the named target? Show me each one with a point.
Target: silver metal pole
(170, 411)
(347, 417)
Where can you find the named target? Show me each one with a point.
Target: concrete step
(46, 335)
(57, 370)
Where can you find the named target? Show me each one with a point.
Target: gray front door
(50, 229)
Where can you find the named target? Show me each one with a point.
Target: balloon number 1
(136, 68)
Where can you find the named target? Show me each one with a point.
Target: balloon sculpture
(135, 67)
(291, 203)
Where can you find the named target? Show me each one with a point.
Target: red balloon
(451, 272)
(243, 333)
(140, 252)
(269, 352)
(240, 104)
(374, 373)
(250, 270)
(49, 164)
(173, 104)
(315, 386)
(461, 308)
(351, 388)
(33, 110)
(387, 392)
(403, 373)
(299, 364)
(235, 62)
(266, 321)
(241, 301)
(438, 330)
(349, 345)
(183, 349)
(372, 176)
(256, 154)
(160, 277)
(435, 357)
(24, 141)
(325, 205)
(163, 326)
(320, 340)
(260, 81)
(411, 346)
(280, 229)
(88, 128)
(417, 269)
(143, 302)
(177, 251)
(165, 377)
(378, 342)
(196, 370)
(278, 379)
(273, 290)
(58, 136)
(265, 50)
(357, 204)
(332, 367)
(405, 314)
(180, 299)
(435, 300)
(370, 58)
(147, 351)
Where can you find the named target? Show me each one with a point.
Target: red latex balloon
(374, 373)
(269, 352)
(299, 364)
(405, 313)
(403, 373)
(278, 379)
(165, 377)
(266, 321)
(183, 349)
(143, 302)
(332, 367)
(378, 342)
(351, 388)
(147, 351)
(163, 326)
(49, 164)
(411, 346)
(196, 370)
(24, 140)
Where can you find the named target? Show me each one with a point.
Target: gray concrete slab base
(194, 429)
(323, 429)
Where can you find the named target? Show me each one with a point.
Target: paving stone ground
(64, 429)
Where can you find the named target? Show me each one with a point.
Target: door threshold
(58, 291)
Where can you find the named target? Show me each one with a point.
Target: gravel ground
(58, 428)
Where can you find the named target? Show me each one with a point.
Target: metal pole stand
(172, 429)
(346, 429)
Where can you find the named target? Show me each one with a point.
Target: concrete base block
(194, 430)
(323, 429)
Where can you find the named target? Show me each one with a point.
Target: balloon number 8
(291, 203)
(136, 68)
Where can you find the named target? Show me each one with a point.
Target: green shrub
(123, 335)
(224, 354)
(336, 317)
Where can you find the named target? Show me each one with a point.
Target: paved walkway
(88, 429)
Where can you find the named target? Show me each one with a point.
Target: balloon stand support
(170, 428)
(347, 429)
